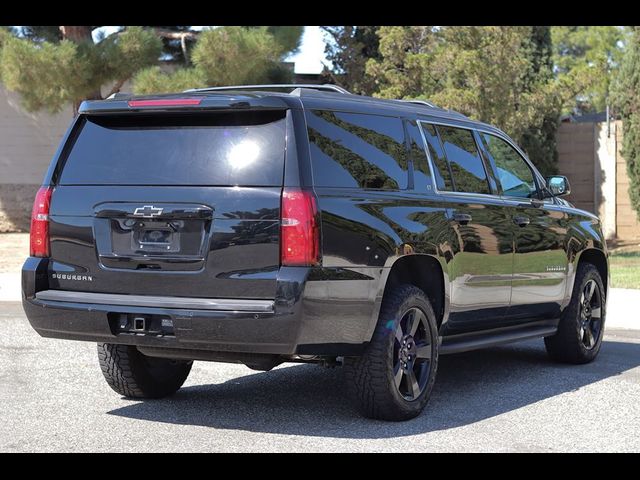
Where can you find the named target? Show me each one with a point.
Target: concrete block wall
(589, 155)
(27, 143)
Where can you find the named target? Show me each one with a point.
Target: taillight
(39, 236)
(299, 231)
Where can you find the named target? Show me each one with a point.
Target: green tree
(50, 73)
(626, 98)
(348, 49)
(226, 56)
(288, 37)
(539, 138)
(404, 68)
(585, 57)
(500, 75)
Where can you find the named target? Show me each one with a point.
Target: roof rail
(119, 96)
(324, 87)
(420, 102)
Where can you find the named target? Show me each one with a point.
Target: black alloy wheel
(412, 354)
(590, 314)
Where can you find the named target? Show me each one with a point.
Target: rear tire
(581, 326)
(394, 377)
(134, 375)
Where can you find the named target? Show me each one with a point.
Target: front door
(539, 229)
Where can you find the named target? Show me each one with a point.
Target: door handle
(521, 221)
(462, 218)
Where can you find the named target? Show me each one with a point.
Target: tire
(581, 328)
(371, 379)
(134, 375)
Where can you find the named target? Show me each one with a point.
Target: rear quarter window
(245, 149)
(356, 150)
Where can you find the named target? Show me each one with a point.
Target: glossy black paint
(497, 276)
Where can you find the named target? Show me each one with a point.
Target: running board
(490, 338)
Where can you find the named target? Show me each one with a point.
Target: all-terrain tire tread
(124, 370)
(368, 376)
(565, 346)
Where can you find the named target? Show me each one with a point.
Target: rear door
(481, 267)
(170, 203)
(540, 228)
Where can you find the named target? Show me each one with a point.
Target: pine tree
(349, 49)
(51, 71)
(626, 98)
(228, 56)
(539, 139)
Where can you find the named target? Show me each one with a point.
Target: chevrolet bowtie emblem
(148, 211)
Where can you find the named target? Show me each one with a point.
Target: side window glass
(514, 174)
(356, 150)
(464, 159)
(443, 176)
(421, 170)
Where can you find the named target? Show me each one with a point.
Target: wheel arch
(423, 271)
(597, 258)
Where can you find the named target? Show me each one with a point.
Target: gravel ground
(509, 398)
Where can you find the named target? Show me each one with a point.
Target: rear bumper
(290, 324)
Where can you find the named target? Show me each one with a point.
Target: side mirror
(558, 185)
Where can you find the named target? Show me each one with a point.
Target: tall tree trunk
(79, 35)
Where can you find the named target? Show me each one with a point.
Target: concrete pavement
(510, 398)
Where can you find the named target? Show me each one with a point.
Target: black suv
(290, 223)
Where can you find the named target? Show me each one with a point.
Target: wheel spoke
(399, 334)
(397, 375)
(418, 317)
(409, 321)
(423, 351)
(590, 288)
(588, 337)
(596, 313)
(412, 384)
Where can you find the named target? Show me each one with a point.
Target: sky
(309, 59)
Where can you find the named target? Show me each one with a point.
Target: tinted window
(468, 171)
(212, 149)
(354, 150)
(443, 176)
(421, 170)
(514, 174)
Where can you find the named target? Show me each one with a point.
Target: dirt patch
(14, 249)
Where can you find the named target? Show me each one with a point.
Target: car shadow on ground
(311, 401)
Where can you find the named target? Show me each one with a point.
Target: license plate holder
(155, 237)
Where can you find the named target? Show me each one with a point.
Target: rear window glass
(197, 149)
(355, 150)
(468, 171)
(443, 177)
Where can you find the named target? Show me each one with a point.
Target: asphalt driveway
(508, 398)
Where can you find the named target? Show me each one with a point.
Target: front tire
(581, 326)
(393, 379)
(134, 375)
